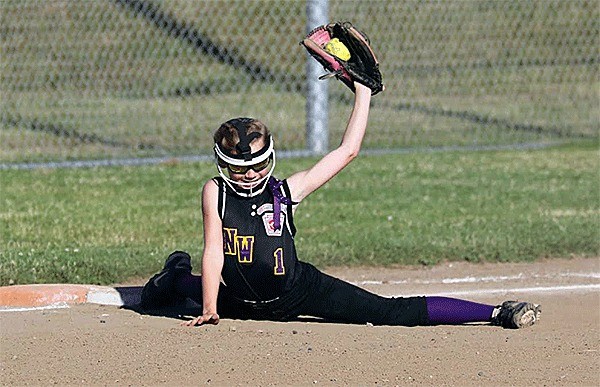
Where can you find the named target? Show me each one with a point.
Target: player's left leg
(511, 314)
(336, 300)
(444, 310)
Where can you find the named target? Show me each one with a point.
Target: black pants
(320, 295)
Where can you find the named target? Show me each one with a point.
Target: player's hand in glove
(206, 318)
(345, 52)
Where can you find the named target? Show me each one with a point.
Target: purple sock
(445, 310)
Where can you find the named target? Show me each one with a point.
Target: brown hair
(227, 135)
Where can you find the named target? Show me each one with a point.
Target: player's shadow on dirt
(132, 295)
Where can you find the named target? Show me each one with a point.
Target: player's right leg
(159, 290)
(175, 283)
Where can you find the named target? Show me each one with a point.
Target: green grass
(105, 225)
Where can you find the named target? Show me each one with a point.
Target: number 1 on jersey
(279, 269)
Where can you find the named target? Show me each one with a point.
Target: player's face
(252, 174)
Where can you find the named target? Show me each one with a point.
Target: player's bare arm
(212, 257)
(305, 182)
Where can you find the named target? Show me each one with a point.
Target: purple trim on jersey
(445, 310)
(278, 200)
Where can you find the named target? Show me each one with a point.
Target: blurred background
(102, 79)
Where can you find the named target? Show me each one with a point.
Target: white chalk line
(471, 279)
(495, 279)
(61, 305)
(537, 289)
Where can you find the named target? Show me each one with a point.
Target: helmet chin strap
(247, 189)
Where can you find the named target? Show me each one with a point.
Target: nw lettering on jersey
(241, 246)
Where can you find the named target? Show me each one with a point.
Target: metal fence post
(317, 132)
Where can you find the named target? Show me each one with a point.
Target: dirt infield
(105, 345)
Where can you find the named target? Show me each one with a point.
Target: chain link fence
(105, 79)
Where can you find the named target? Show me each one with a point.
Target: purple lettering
(245, 246)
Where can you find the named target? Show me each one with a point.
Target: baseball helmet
(241, 158)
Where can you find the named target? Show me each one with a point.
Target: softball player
(249, 265)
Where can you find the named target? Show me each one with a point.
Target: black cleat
(515, 315)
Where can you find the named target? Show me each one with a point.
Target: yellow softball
(338, 49)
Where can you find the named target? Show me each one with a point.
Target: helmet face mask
(240, 162)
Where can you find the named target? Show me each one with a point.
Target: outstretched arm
(212, 257)
(305, 182)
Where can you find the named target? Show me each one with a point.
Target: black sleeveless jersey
(260, 260)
